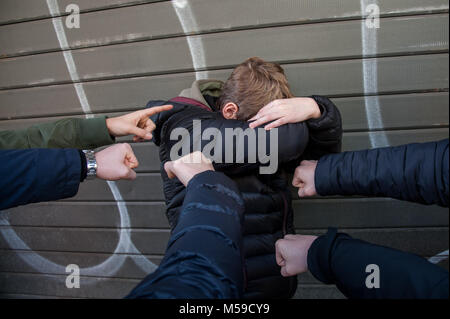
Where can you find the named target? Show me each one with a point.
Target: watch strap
(91, 164)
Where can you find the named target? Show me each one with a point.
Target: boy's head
(252, 85)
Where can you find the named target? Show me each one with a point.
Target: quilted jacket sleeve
(415, 172)
(38, 175)
(325, 133)
(367, 271)
(204, 253)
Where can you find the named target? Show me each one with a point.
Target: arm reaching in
(412, 172)
(231, 144)
(188, 166)
(204, 254)
(320, 115)
(38, 175)
(82, 133)
(280, 112)
(360, 269)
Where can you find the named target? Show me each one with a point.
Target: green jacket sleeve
(65, 133)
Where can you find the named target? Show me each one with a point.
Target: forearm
(234, 147)
(203, 258)
(65, 133)
(363, 270)
(37, 175)
(413, 172)
(212, 213)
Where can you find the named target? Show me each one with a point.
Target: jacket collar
(194, 94)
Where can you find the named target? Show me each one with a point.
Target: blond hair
(253, 84)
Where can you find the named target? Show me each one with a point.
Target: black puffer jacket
(268, 212)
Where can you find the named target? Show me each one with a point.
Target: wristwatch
(91, 164)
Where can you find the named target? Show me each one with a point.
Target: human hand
(292, 254)
(137, 123)
(188, 166)
(285, 111)
(304, 178)
(116, 162)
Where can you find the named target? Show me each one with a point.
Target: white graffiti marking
(68, 58)
(189, 25)
(107, 268)
(370, 79)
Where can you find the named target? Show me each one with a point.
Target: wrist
(109, 125)
(315, 109)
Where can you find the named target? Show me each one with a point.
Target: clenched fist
(116, 162)
(292, 254)
(304, 178)
(188, 166)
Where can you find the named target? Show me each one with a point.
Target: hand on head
(188, 166)
(285, 111)
(304, 178)
(292, 254)
(137, 123)
(116, 162)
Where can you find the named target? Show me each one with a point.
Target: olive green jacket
(65, 133)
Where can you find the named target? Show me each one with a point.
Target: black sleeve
(413, 172)
(204, 255)
(38, 175)
(363, 270)
(325, 133)
(231, 144)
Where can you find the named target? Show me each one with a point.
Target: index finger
(155, 110)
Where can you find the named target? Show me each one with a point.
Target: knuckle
(279, 244)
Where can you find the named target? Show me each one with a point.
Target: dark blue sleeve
(38, 175)
(336, 258)
(413, 172)
(204, 254)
